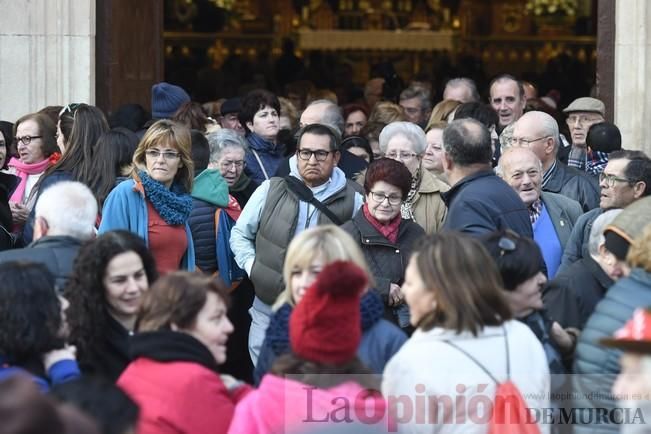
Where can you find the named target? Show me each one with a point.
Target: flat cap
(586, 104)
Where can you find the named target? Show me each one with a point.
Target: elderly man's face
(579, 123)
(522, 171)
(507, 102)
(460, 93)
(528, 134)
(413, 110)
(315, 159)
(616, 191)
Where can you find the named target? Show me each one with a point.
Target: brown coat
(428, 207)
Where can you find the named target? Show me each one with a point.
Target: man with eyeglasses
(582, 113)
(281, 208)
(552, 215)
(478, 202)
(626, 179)
(538, 131)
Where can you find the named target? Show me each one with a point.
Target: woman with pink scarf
(35, 138)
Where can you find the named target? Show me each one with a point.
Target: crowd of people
(271, 264)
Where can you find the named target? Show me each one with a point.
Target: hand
(395, 295)
(19, 213)
(69, 352)
(564, 339)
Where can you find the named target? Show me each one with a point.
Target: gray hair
(332, 115)
(464, 82)
(597, 232)
(416, 91)
(547, 124)
(222, 139)
(411, 131)
(69, 208)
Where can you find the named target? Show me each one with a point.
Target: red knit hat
(635, 336)
(324, 326)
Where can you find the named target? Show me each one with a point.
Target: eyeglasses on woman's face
(168, 155)
(26, 140)
(381, 197)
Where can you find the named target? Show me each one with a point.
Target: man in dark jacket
(538, 131)
(596, 366)
(479, 202)
(572, 296)
(65, 218)
(626, 178)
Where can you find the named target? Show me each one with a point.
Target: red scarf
(389, 230)
(233, 209)
(23, 171)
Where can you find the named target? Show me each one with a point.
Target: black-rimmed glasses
(306, 154)
(26, 139)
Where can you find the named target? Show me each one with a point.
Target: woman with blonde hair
(155, 202)
(386, 112)
(443, 111)
(307, 255)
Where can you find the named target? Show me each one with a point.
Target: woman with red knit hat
(321, 382)
(307, 254)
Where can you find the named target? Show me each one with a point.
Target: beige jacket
(428, 207)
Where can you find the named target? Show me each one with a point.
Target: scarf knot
(23, 170)
(389, 230)
(174, 204)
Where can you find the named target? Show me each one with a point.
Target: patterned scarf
(406, 208)
(534, 211)
(174, 204)
(389, 230)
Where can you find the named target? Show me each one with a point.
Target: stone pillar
(633, 73)
(47, 54)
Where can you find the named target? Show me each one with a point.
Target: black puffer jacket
(202, 225)
(597, 365)
(387, 261)
(573, 184)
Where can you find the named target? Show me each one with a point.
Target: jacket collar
(55, 241)
(370, 235)
(429, 183)
(553, 179)
(447, 196)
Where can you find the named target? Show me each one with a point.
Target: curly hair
(30, 312)
(88, 313)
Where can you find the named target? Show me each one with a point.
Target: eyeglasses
(611, 179)
(238, 164)
(168, 155)
(70, 108)
(380, 197)
(26, 139)
(403, 156)
(306, 154)
(521, 141)
(582, 119)
(506, 244)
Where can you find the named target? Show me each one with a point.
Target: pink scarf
(23, 171)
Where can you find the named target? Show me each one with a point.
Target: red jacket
(179, 397)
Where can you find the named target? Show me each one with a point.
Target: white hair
(69, 208)
(546, 124)
(222, 139)
(412, 132)
(597, 232)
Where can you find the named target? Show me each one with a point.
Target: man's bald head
(537, 131)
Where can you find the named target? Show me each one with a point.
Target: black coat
(574, 184)
(57, 253)
(8, 184)
(483, 203)
(202, 225)
(574, 293)
(109, 356)
(387, 261)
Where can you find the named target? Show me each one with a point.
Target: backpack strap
(257, 157)
(304, 193)
(483, 368)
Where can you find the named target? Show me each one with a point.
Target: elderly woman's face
(231, 164)
(3, 149)
(401, 149)
(384, 201)
(30, 142)
(266, 123)
(433, 158)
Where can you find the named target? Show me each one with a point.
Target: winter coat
(427, 206)
(175, 381)
(563, 212)
(414, 373)
(57, 253)
(577, 246)
(107, 357)
(573, 295)
(387, 261)
(380, 338)
(597, 366)
(8, 184)
(270, 154)
(282, 405)
(209, 193)
(482, 203)
(573, 184)
(126, 208)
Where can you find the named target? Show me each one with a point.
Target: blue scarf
(174, 205)
(371, 309)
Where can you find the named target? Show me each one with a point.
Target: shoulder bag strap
(257, 157)
(305, 194)
(467, 354)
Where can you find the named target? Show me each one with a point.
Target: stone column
(47, 54)
(633, 73)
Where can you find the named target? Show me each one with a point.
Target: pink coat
(179, 397)
(281, 405)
